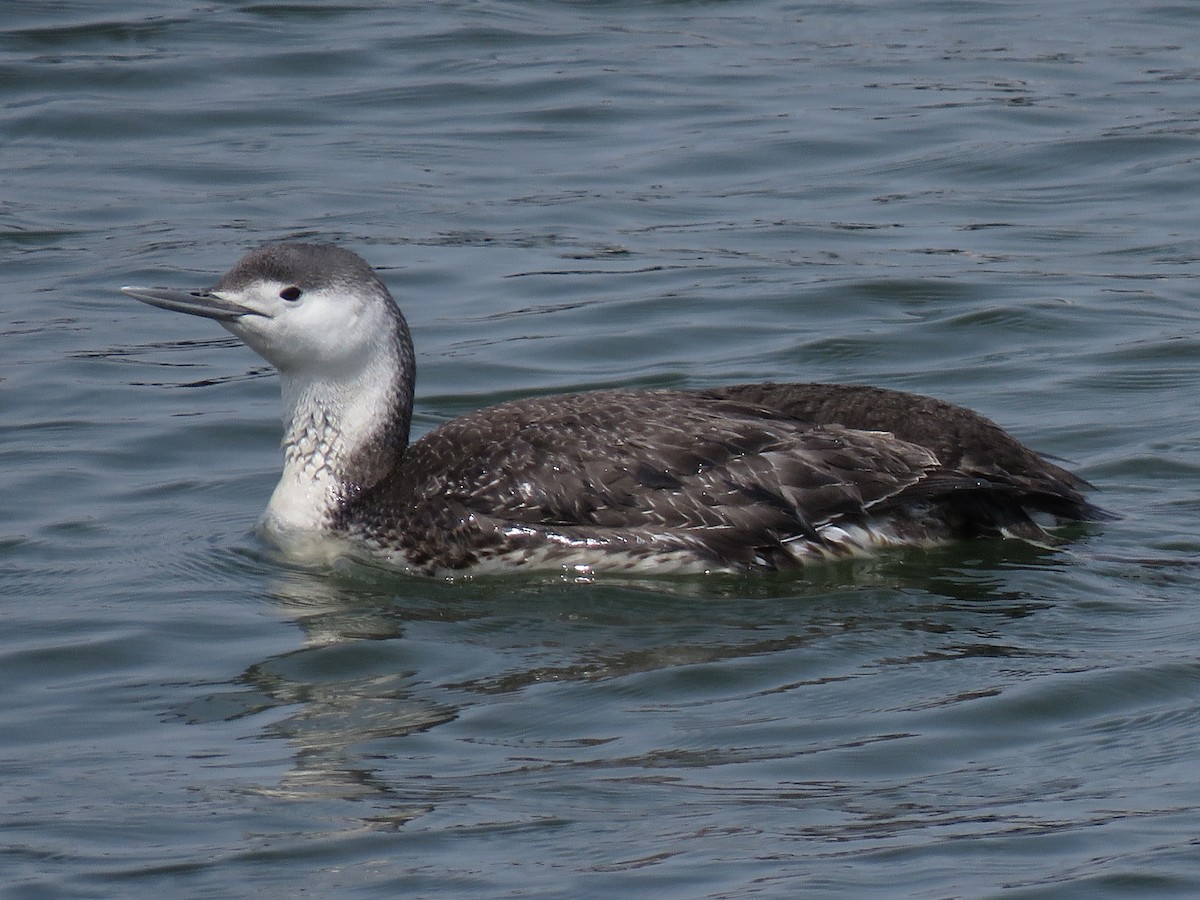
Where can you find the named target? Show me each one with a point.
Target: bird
(741, 478)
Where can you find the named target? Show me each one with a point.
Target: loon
(729, 479)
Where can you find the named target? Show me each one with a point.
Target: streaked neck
(341, 436)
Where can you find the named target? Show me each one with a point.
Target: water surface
(991, 204)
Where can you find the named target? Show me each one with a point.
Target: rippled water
(992, 203)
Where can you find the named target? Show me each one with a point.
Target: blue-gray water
(992, 203)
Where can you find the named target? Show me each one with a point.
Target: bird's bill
(196, 303)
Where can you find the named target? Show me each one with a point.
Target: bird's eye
(291, 294)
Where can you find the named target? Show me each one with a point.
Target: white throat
(337, 438)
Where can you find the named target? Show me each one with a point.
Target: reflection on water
(387, 657)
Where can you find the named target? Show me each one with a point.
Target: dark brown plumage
(752, 476)
(734, 478)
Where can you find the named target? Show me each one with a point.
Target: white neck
(338, 437)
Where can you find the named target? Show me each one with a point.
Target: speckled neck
(342, 434)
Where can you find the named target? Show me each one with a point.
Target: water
(989, 203)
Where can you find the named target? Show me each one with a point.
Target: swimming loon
(730, 479)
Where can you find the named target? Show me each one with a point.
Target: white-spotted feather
(756, 476)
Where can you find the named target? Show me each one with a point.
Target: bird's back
(747, 476)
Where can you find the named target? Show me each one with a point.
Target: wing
(720, 478)
(964, 441)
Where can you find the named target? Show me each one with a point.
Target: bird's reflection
(386, 658)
